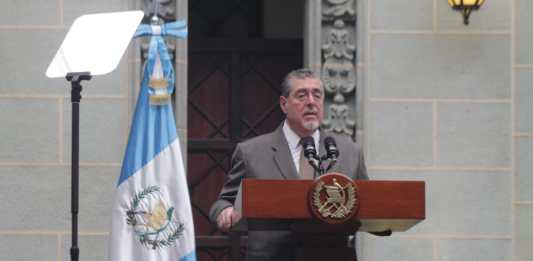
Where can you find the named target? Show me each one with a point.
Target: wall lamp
(465, 7)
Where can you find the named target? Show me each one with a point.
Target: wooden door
(234, 89)
(233, 94)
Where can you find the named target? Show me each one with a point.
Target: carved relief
(165, 9)
(338, 68)
(337, 8)
(339, 119)
(338, 71)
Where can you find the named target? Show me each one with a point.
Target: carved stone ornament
(166, 9)
(339, 77)
(338, 71)
(337, 8)
(339, 119)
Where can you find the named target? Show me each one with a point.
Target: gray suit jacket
(268, 157)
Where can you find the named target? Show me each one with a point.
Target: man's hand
(227, 218)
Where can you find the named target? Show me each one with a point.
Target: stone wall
(35, 130)
(447, 103)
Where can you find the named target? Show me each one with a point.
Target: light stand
(75, 98)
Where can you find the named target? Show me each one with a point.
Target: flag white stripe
(165, 170)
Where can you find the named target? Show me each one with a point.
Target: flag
(152, 217)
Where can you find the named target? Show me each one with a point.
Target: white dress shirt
(294, 143)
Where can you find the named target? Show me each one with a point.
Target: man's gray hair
(301, 74)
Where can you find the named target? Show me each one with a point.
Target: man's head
(302, 98)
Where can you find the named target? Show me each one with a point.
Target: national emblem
(333, 198)
(153, 222)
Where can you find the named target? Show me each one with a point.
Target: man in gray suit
(278, 155)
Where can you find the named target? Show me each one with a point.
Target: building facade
(429, 98)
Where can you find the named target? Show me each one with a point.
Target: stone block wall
(449, 104)
(35, 129)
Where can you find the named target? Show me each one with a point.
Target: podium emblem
(333, 198)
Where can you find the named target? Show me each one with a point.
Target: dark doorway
(237, 59)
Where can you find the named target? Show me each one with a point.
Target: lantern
(465, 7)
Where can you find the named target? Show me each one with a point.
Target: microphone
(331, 151)
(331, 148)
(308, 145)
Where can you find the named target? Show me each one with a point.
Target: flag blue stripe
(145, 140)
(190, 257)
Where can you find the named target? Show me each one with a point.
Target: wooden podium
(382, 206)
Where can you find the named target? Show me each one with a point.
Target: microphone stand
(331, 162)
(317, 163)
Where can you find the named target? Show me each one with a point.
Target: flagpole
(75, 98)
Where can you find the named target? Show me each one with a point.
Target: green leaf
(169, 213)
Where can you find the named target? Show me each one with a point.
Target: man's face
(304, 105)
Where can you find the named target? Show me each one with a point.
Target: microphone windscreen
(308, 145)
(328, 141)
(331, 147)
(308, 141)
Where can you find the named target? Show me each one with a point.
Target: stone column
(329, 49)
(312, 34)
(180, 104)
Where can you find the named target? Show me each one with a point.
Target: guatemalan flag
(152, 218)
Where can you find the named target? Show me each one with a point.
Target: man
(277, 155)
